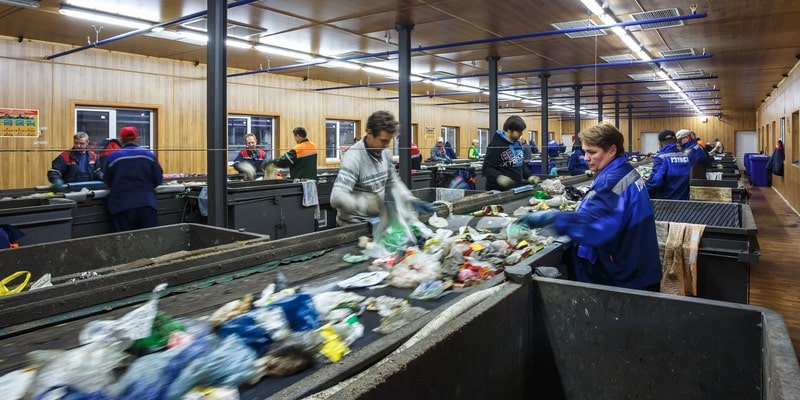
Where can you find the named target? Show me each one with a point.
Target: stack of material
(680, 244)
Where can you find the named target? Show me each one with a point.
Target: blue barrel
(536, 167)
(758, 170)
(746, 161)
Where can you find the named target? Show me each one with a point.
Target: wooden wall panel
(178, 90)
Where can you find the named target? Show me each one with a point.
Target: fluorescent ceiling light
(98, 16)
(595, 8)
(342, 64)
(444, 84)
(241, 44)
(22, 3)
(280, 51)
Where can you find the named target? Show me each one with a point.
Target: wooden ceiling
(741, 48)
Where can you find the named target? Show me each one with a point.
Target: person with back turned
(301, 159)
(78, 164)
(367, 176)
(613, 229)
(669, 178)
(697, 154)
(132, 174)
(504, 164)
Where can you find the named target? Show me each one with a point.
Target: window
(532, 139)
(339, 136)
(103, 123)
(449, 134)
(396, 144)
(483, 140)
(262, 127)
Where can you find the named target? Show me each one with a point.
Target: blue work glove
(422, 207)
(58, 185)
(537, 219)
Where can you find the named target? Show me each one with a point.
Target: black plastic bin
(41, 220)
(421, 178)
(327, 214)
(270, 207)
(727, 250)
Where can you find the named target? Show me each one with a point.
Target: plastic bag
(300, 311)
(415, 269)
(134, 325)
(85, 369)
(228, 364)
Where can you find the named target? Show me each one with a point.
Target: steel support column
(404, 101)
(577, 111)
(493, 124)
(599, 108)
(616, 111)
(545, 128)
(630, 128)
(216, 115)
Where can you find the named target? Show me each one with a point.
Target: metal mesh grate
(727, 215)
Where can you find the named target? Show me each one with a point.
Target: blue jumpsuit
(132, 175)
(614, 231)
(670, 176)
(577, 164)
(697, 157)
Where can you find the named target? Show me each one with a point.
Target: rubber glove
(422, 207)
(537, 219)
(589, 172)
(58, 185)
(504, 181)
(372, 204)
(533, 180)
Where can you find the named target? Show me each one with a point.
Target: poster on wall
(429, 132)
(18, 122)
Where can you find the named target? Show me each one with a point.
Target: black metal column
(577, 110)
(630, 128)
(493, 95)
(545, 128)
(600, 108)
(217, 114)
(404, 100)
(616, 112)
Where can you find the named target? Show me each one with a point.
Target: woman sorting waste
(613, 228)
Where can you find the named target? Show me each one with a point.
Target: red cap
(128, 133)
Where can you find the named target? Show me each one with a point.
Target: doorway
(746, 142)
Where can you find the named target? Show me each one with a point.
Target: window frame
(235, 144)
(335, 147)
(115, 114)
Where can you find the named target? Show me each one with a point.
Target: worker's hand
(422, 207)
(533, 180)
(504, 181)
(537, 219)
(58, 185)
(372, 204)
(247, 170)
(589, 173)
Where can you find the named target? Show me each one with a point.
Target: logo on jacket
(509, 159)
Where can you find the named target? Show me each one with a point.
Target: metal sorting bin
(727, 249)
(270, 207)
(443, 176)
(41, 220)
(421, 179)
(731, 189)
(90, 216)
(126, 264)
(555, 339)
(327, 214)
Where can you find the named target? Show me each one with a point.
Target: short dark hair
(300, 131)
(514, 123)
(604, 136)
(381, 121)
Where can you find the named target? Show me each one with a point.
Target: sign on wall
(429, 132)
(19, 122)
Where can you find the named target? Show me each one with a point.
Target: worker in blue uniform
(577, 164)
(613, 228)
(669, 178)
(697, 154)
(78, 164)
(132, 175)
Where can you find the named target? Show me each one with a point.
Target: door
(746, 142)
(649, 142)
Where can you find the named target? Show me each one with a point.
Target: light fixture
(21, 3)
(280, 51)
(103, 17)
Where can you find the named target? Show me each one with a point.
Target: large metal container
(41, 220)
(555, 339)
(270, 207)
(103, 268)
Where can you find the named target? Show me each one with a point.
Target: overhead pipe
(144, 30)
(570, 85)
(482, 41)
(531, 71)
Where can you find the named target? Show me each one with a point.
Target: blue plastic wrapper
(300, 312)
(248, 331)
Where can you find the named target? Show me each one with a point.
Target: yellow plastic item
(333, 348)
(5, 290)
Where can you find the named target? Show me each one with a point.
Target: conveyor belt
(728, 215)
